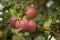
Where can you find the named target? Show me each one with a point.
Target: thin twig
(54, 33)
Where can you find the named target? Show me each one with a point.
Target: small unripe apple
(31, 11)
(32, 25)
(24, 24)
(12, 20)
(17, 24)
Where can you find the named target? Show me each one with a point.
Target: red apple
(31, 11)
(12, 20)
(24, 24)
(17, 24)
(32, 25)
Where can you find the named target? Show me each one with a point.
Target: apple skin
(12, 20)
(17, 24)
(31, 11)
(32, 25)
(24, 25)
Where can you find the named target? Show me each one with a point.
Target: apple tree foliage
(47, 19)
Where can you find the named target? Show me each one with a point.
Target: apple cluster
(24, 24)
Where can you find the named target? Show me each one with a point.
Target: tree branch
(22, 8)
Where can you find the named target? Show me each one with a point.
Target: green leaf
(49, 12)
(15, 31)
(21, 37)
(28, 37)
(39, 37)
(26, 34)
(47, 23)
(13, 12)
(40, 20)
